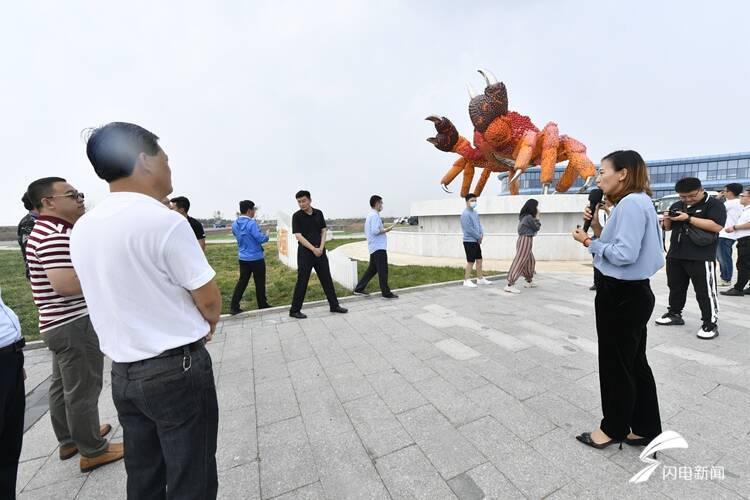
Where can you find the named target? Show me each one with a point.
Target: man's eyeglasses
(76, 195)
(691, 196)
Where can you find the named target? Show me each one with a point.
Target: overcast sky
(257, 99)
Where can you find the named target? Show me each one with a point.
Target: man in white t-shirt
(727, 238)
(153, 300)
(741, 229)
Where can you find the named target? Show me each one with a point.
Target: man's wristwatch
(689, 217)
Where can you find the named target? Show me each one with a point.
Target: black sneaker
(708, 331)
(670, 319)
(592, 288)
(390, 296)
(339, 309)
(236, 312)
(265, 306)
(362, 293)
(298, 315)
(732, 292)
(746, 291)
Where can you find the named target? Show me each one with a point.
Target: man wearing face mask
(376, 244)
(473, 236)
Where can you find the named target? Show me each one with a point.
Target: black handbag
(699, 237)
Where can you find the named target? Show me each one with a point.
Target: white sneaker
(529, 284)
(469, 284)
(708, 332)
(484, 281)
(511, 289)
(725, 283)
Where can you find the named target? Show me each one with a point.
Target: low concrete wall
(440, 234)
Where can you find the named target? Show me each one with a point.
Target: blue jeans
(724, 256)
(170, 420)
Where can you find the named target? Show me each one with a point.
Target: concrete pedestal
(440, 235)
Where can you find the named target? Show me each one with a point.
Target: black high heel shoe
(585, 438)
(642, 441)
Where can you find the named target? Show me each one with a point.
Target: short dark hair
(374, 199)
(182, 203)
(469, 196)
(114, 148)
(246, 205)
(687, 184)
(735, 187)
(26, 202)
(302, 194)
(41, 188)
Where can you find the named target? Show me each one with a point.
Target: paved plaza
(447, 392)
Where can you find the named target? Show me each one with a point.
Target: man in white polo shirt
(741, 230)
(153, 300)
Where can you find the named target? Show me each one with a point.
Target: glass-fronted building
(714, 171)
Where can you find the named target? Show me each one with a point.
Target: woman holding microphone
(627, 252)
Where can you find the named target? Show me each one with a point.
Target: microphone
(595, 197)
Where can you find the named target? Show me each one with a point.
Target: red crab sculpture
(506, 141)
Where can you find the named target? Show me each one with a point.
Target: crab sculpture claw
(545, 189)
(447, 135)
(445, 188)
(518, 173)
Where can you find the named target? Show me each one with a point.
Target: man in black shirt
(309, 227)
(181, 205)
(25, 226)
(695, 221)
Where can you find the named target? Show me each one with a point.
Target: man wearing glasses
(742, 232)
(64, 324)
(695, 222)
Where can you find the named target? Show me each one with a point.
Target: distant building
(714, 171)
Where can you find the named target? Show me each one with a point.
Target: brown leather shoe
(114, 453)
(69, 451)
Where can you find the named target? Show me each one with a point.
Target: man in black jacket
(695, 222)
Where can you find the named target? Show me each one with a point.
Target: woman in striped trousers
(524, 262)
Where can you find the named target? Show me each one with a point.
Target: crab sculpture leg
(578, 164)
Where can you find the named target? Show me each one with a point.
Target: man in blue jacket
(250, 240)
(473, 236)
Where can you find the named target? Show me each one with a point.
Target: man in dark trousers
(309, 227)
(25, 226)
(376, 245)
(250, 240)
(12, 399)
(695, 222)
(181, 205)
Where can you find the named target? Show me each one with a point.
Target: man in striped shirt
(64, 324)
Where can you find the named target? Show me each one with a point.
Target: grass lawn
(280, 281)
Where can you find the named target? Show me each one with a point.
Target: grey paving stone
(286, 458)
(483, 482)
(456, 373)
(408, 474)
(411, 367)
(450, 402)
(27, 470)
(561, 413)
(62, 490)
(444, 446)
(270, 367)
(39, 440)
(297, 349)
(519, 462)
(346, 471)
(237, 442)
(348, 381)
(397, 393)
(324, 418)
(235, 390)
(307, 373)
(240, 482)
(523, 421)
(275, 400)
(376, 426)
(506, 379)
(54, 471)
(368, 360)
(310, 492)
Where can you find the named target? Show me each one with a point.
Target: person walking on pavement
(524, 263)
(473, 237)
(309, 227)
(727, 238)
(65, 327)
(376, 244)
(250, 240)
(742, 231)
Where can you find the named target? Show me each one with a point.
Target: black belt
(15, 347)
(182, 349)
